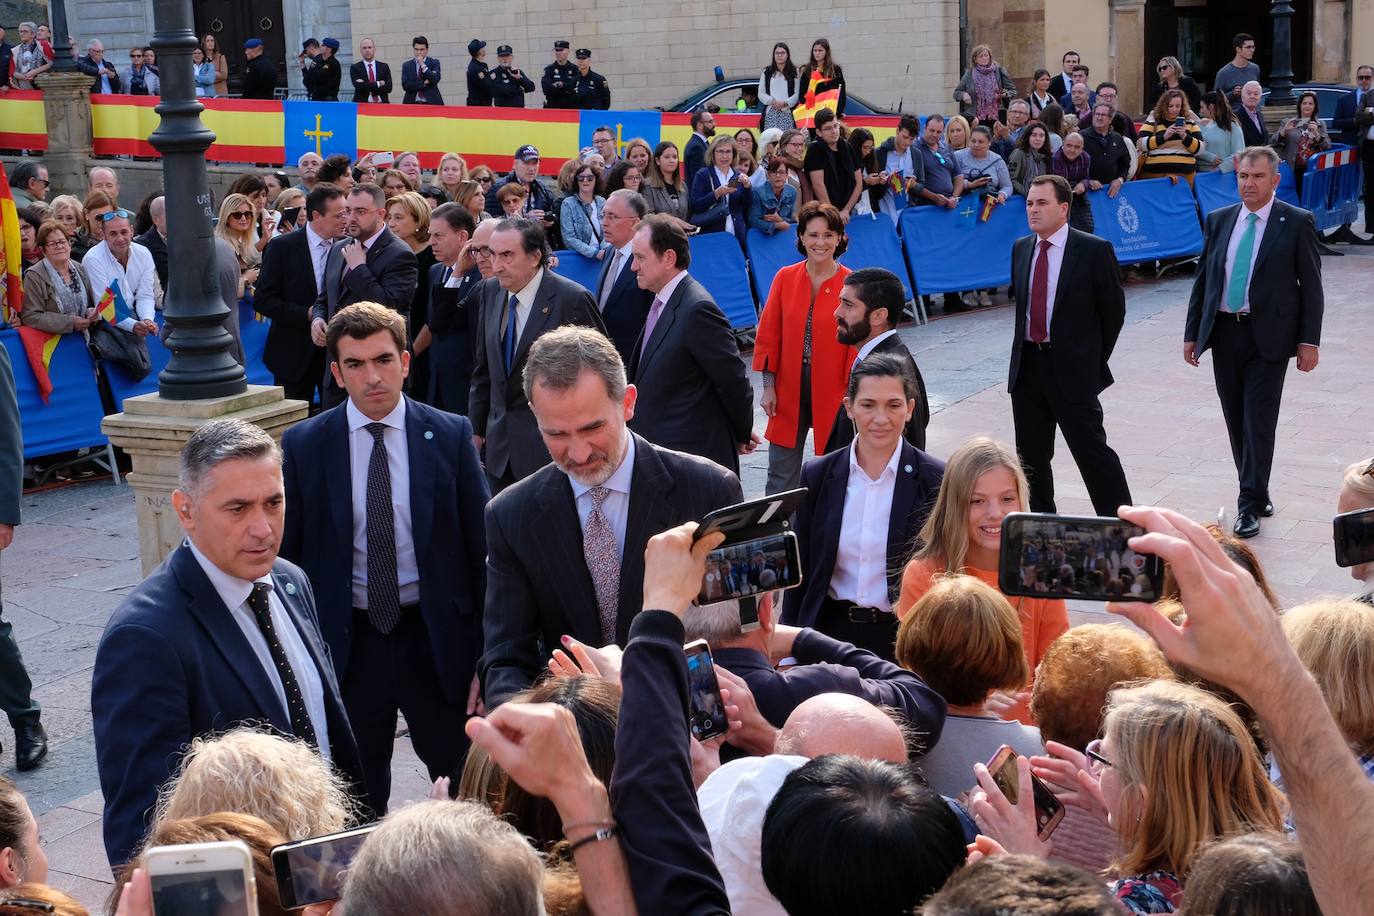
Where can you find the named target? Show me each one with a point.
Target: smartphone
(1049, 811)
(770, 211)
(312, 870)
(199, 878)
(751, 567)
(734, 180)
(384, 160)
(708, 707)
(290, 215)
(1180, 122)
(763, 510)
(1354, 535)
(1066, 556)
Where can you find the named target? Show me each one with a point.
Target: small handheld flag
(989, 201)
(112, 306)
(38, 345)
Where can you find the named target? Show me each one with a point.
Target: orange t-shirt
(1042, 619)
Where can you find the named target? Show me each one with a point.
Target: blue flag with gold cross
(320, 127)
(624, 125)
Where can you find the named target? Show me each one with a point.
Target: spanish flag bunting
(813, 100)
(112, 306)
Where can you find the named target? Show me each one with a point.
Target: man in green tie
(1256, 302)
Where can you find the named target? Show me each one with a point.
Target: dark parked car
(1328, 95)
(726, 94)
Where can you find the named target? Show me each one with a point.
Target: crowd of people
(487, 527)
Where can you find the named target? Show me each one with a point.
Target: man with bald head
(155, 239)
(841, 723)
(823, 665)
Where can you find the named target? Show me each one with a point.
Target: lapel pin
(429, 434)
(906, 468)
(290, 588)
(546, 310)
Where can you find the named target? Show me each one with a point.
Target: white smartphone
(200, 878)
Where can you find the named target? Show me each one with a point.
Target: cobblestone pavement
(76, 554)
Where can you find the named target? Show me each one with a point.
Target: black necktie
(295, 702)
(383, 590)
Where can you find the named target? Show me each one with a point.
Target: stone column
(67, 110)
(1126, 44)
(153, 429)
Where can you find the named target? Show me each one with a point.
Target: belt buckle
(863, 614)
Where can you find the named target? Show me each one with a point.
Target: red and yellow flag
(813, 100)
(38, 345)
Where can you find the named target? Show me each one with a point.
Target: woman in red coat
(805, 369)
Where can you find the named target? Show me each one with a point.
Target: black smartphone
(770, 211)
(1354, 535)
(734, 180)
(312, 870)
(290, 215)
(708, 707)
(1049, 811)
(751, 567)
(1180, 122)
(737, 520)
(1068, 556)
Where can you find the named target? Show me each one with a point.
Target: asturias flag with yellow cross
(323, 128)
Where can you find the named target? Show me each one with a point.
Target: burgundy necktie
(1040, 289)
(371, 78)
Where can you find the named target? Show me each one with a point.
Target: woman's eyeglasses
(586, 178)
(241, 214)
(1096, 762)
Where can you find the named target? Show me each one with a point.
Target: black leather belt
(1044, 345)
(860, 614)
(1234, 316)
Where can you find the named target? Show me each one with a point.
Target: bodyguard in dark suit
(870, 301)
(694, 153)
(864, 506)
(420, 76)
(694, 393)
(384, 499)
(565, 546)
(1354, 120)
(1257, 301)
(31, 742)
(370, 265)
(371, 78)
(1069, 311)
(222, 634)
(453, 282)
(290, 282)
(624, 304)
(527, 300)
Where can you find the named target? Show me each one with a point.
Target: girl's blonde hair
(944, 537)
(462, 169)
(1189, 773)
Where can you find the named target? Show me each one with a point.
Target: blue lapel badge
(290, 588)
(429, 434)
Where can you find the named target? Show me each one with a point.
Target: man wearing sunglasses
(120, 262)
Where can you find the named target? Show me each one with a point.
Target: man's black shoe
(1247, 525)
(30, 746)
(1266, 510)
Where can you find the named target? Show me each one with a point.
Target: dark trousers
(876, 632)
(15, 687)
(1367, 166)
(1037, 407)
(310, 384)
(392, 671)
(1250, 388)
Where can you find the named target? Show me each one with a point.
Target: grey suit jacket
(694, 391)
(11, 445)
(388, 276)
(496, 405)
(538, 586)
(1286, 298)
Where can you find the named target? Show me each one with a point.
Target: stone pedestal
(67, 110)
(153, 430)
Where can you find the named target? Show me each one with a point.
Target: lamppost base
(153, 429)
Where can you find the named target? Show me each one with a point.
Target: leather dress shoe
(30, 746)
(1266, 510)
(1247, 525)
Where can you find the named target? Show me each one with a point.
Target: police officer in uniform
(589, 88)
(559, 77)
(508, 83)
(322, 80)
(479, 80)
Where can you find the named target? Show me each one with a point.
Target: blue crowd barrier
(873, 242)
(769, 254)
(580, 269)
(253, 334)
(950, 250)
(1331, 187)
(1215, 190)
(1148, 220)
(71, 418)
(726, 278)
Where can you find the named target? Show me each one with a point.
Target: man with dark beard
(870, 303)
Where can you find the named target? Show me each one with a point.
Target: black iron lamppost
(63, 56)
(201, 364)
(1281, 72)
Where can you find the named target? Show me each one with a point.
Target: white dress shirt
(873, 344)
(1242, 220)
(723, 178)
(860, 572)
(234, 592)
(616, 505)
(524, 300)
(1056, 255)
(135, 280)
(319, 253)
(398, 463)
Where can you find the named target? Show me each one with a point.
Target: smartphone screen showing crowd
(1063, 556)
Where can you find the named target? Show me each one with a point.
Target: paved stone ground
(76, 555)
